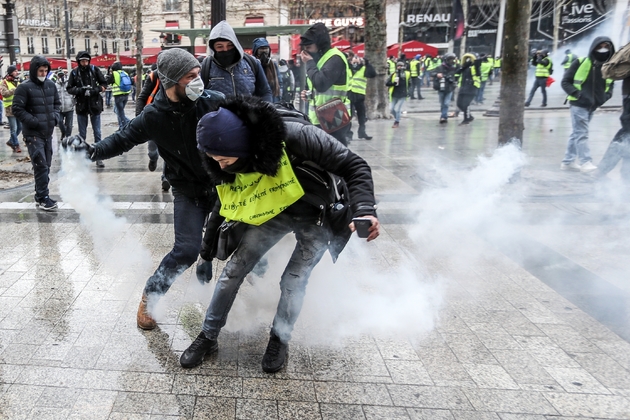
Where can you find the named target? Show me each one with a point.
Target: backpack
(618, 67)
(207, 63)
(125, 81)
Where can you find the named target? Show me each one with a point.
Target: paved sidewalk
(482, 299)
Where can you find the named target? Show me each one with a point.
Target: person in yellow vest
(485, 68)
(121, 96)
(248, 143)
(569, 58)
(361, 71)
(398, 91)
(544, 68)
(391, 65)
(469, 82)
(587, 90)
(415, 68)
(497, 66)
(7, 89)
(328, 74)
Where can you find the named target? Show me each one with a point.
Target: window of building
(114, 22)
(114, 47)
(30, 45)
(44, 45)
(255, 21)
(57, 17)
(86, 18)
(88, 46)
(171, 5)
(42, 11)
(127, 45)
(104, 49)
(72, 52)
(28, 12)
(58, 45)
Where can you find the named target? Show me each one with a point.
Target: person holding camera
(398, 91)
(544, 69)
(249, 139)
(444, 82)
(86, 82)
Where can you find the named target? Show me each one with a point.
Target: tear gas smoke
(114, 244)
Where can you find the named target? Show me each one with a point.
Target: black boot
(363, 135)
(275, 355)
(199, 348)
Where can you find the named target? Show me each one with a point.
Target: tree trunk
(514, 71)
(376, 53)
(139, 46)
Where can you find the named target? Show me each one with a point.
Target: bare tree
(514, 71)
(376, 53)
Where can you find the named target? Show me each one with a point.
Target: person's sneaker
(143, 319)
(573, 166)
(526, 104)
(275, 355)
(100, 164)
(443, 120)
(17, 149)
(543, 105)
(588, 167)
(10, 145)
(165, 185)
(152, 165)
(47, 204)
(365, 136)
(396, 124)
(194, 354)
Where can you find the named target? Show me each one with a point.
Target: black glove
(204, 271)
(77, 144)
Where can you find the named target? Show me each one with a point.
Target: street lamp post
(67, 19)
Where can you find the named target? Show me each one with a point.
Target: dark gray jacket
(36, 104)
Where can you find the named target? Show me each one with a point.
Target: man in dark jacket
(619, 148)
(262, 51)
(544, 68)
(328, 74)
(36, 104)
(229, 69)
(248, 137)
(469, 83)
(444, 82)
(587, 90)
(170, 121)
(86, 82)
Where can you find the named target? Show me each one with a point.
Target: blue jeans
(95, 120)
(119, 103)
(108, 98)
(480, 92)
(577, 145)
(445, 101)
(189, 217)
(65, 125)
(15, 128)
(40, 151)
(395, 107)
(619, 149)
(257, 240)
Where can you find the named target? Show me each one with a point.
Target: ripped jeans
(257, 240)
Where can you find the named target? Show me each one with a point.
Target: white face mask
(195, 89)
(41, 78)
(603, 50)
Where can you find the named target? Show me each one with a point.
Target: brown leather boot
(145, 321)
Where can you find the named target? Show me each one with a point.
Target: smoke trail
(115, 246)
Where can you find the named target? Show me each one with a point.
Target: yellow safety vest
(8, 101)
(543, 71)
(414, 66)
(582, 73)
(475, 77)
(497, 63)
(391, 88)
(569, 61)
(335, 91)
(359, 82)
(486, 68)
(391, 66)
(116, 86)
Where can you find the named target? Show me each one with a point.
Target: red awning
(55, 63)
(341, 44)
(359, 50)
(411, 49)
(255, 21)
(152, 59)
(107, 60)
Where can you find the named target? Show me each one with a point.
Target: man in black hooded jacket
(86, 82)
(170, 121)
(36, 105)
(248, 137)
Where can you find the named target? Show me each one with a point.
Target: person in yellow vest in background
(431, 64)
(544, 68)
(485, 68)
(328, 74)
(7, 89)
(497, 66)
(398, 91)
(469, 82)
(415, 68)
(391, 65)
(361, 71)
(587, 90)
(569, 58)
(121, 95)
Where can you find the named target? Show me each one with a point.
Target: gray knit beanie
(173, 64)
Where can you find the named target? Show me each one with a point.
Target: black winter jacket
(313, 153)
(172, 126)
(36, 104)
(84, 79)
(593, 93)
(448, 72)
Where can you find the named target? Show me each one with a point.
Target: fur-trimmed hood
(267, 134)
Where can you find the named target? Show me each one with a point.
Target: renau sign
(427, 18)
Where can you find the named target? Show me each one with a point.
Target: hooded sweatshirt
(36, 104)
(84, 79)
(593, 93)
(271, 69)
(334, 71)
(234, 76)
